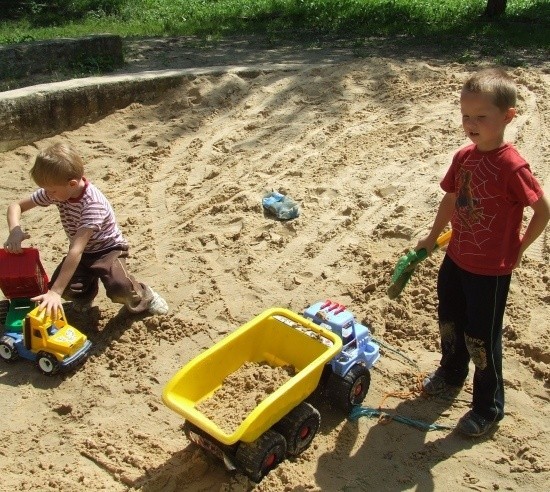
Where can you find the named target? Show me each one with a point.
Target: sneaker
(435, 384)
(474, 425)
(157, 305)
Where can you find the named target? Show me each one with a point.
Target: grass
(454, 29)
(526, 23)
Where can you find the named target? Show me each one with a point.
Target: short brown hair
(57, 164)
(496, 83)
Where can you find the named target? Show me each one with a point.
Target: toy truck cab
(347, 374)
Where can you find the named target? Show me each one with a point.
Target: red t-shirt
(492, 189)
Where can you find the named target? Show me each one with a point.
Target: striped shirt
(90, 210)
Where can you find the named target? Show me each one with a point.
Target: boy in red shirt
(487, 187)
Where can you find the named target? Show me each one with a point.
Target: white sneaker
(157, 305)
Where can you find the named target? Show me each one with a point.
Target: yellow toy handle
(444, 238)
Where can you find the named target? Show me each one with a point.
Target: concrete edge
(32, 113)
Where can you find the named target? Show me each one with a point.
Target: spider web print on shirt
(474, 224)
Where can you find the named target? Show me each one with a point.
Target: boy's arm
(52, 301)
(17, 235)
(442, 218)
(537, 224)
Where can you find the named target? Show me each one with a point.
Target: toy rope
(385, 418)
(382, 344)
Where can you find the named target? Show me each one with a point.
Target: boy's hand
(426, 243)
(51, 301)
(16, 237)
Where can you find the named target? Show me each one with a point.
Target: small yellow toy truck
(53, 345)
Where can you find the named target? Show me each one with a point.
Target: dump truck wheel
(47, 363)
(258, 458)
(4, 309)
(350, 390)
(8, 350)
(299, 427)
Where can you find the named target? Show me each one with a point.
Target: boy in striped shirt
(97, 249)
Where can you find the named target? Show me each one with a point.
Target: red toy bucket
(22, 275)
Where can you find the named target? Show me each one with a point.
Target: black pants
(109, 267)
(471, 310)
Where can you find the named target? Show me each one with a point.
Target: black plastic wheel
(258, 458)
(47, 363)
(4, 309)
(8, 350)
(299, 427)
(345, 392)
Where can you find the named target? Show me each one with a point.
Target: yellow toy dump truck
(53, 345)
(326, 349)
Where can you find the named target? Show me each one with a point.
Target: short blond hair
(496, 83)
(57, 165)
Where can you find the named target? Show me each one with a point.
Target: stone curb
(59, 55)
(41, 111)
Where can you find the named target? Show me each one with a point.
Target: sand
(241, 392)
(361, 145)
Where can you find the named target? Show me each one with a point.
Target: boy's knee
(448, 336)
(80, 290)
(476, 349)
(77, 287)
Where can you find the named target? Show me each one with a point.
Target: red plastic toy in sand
(22, 275)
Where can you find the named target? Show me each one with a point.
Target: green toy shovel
(407, 264)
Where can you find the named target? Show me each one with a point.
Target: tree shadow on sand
(394, 455)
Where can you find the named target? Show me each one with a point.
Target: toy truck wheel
(8, 350)
(350, 390)
(4, 309)
(299, 427)
(258, 458)
(47, 363)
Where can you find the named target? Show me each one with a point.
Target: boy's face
(483, 121)
(62, 192)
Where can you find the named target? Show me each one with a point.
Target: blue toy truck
(346, 378)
